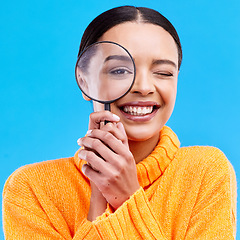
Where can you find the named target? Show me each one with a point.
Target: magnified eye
(120, 71)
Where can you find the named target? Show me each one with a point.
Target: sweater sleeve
(25, 216)
(133, 220)
(21, 223)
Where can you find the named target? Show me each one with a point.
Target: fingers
(95, 162)
(106, 143)
(96, 118)
(90, 173)
(122, 129)
(97, 154)
(117, 130)
(104, 148)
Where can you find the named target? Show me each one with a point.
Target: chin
(140, 134)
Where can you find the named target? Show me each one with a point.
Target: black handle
(108, 108)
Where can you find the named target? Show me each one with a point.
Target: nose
(143, 84)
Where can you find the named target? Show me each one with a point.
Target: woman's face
(150, 102)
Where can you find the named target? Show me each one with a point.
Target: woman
(130, 179)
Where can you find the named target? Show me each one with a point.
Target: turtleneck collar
(154, 165)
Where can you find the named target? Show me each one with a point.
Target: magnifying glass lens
(105, 71)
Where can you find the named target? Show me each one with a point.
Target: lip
(140, 118)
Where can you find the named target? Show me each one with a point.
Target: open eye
(120, 71)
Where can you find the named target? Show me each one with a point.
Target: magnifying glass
(105, 71)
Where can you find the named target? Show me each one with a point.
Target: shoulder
(42, 167)
(206, 154)
(51, 170)
(206, 168)
(205, 159)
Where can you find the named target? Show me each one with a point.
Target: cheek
(167, 92)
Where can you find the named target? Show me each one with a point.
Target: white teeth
(138, 111)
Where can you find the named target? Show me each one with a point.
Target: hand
(111, 165)
(98, 203)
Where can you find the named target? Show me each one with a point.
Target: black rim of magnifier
(134, 67)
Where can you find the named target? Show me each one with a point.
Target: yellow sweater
(186, 193)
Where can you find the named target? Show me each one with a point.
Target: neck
(141, 149)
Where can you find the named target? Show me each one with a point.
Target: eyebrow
(164, 61)
(118, 57)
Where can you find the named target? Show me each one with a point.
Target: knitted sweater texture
(186, 193)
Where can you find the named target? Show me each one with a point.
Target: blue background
(42, 113)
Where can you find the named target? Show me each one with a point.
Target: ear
(82, 82)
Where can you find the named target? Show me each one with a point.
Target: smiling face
(150, 102)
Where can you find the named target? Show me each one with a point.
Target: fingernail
(88, 132)
(79, 141)
(117, 118)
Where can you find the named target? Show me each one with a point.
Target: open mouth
(139, 108)
(138, 111)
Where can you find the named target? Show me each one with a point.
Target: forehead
(143, 40)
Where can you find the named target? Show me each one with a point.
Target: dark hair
(115, 16)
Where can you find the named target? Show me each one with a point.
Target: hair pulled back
(118, 15)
